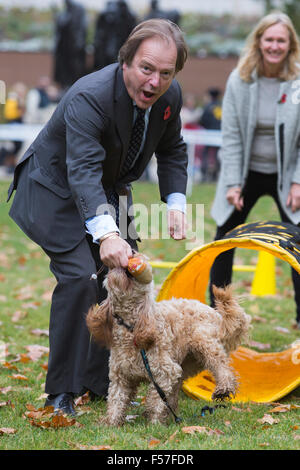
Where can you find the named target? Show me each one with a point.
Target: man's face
(151, 72)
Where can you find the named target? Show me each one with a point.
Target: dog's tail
(236, 322)
(100, 324)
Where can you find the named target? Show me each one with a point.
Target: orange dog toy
(139, 268)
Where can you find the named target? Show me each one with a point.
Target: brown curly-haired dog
(181, 336)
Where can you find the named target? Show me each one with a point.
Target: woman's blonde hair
(252, 59)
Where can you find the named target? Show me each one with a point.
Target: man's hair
(165, 29)
(251, 58)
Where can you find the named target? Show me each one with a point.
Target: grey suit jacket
(78, 155)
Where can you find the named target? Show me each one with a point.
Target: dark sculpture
(70, 42)
(155, 12)
(113, 27)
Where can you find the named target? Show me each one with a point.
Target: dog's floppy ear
(145, 331)
(100, 324)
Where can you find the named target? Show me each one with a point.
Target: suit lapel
(123, 114)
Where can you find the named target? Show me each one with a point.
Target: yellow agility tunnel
(263, 377)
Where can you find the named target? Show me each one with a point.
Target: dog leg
(120, 394)
(216, 360)
(156, 410)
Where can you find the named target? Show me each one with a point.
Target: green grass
(25, 288)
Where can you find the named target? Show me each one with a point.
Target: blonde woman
(260, 130)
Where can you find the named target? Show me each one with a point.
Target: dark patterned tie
(135, 141)
(134, 146)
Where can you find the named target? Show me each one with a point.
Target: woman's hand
(293, 200)
(234, 197)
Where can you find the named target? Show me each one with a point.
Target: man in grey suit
(82, 160)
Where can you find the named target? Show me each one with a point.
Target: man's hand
(234, 197)
(114, 252)
(293, 199)
(177, 224)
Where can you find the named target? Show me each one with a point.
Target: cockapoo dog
(181, 337)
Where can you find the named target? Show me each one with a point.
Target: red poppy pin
(282, 99)
(167, 113)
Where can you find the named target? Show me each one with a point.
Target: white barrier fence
(21, 132)
(192, 137)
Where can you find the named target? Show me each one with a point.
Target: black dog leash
(159, 390)
(211, 409)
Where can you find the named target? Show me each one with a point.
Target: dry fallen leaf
(9, 366)
(201, 430)
(268, 419)
(131, 418)
(85, 447)
(172, 437)
(194, 429)
(82, 400)
(57, 421)
(259, 319)
(153, 442)
(18, 377)
(6, 403)
(25, 293)
(36, 351)
(18, 315)
(5, 390)
(22, 260)
(32, 412)
(47, 295)
(39, 332)
(261, 346)
(7, 431)
(284, 408)
(254, 308)
(281, 329)
(45, 418)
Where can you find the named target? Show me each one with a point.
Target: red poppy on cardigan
(167, 113)
(282, 99)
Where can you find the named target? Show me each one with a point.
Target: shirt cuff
(100, 225)
(176, 201)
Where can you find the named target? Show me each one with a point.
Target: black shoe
(63, 402)
(94, 397)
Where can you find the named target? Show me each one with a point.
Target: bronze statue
(70, 41)
(113, 26)
(156, 12)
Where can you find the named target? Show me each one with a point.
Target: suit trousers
(76, 362)
(257, 185)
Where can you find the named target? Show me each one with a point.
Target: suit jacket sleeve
(171, 153)
(85, 122)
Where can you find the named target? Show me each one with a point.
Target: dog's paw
(108, 421)
(221, 394)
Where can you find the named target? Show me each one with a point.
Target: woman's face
(275, 45)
